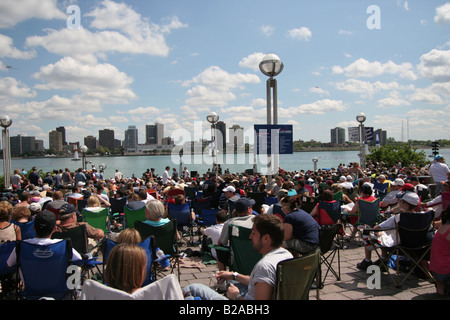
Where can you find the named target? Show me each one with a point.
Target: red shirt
(440, 253)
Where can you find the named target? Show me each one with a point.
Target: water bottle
(164, 261)
(159, 253)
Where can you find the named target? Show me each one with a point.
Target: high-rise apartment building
(106, 139)
(90, 142)
(20, 145)
(63, 132)
(154, 133)
(131, 139)
(338, 135)
(55, 141)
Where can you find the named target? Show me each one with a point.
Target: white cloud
(345, 32)
(122, 30)
(13, 12)
(435, 65)
(319, 91)
(252, 61)
(7, 50)
(368, 89)
(267, 30)
(426, 96)
(394, 100)
(443, 14)
(214, 87)
(11, 88)
(318, 107)
(364, 68)
(71, 74)
(302, 33)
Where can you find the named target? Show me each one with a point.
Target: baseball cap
(409, 197)
(229, 188)
(35, 207)
(437, 157)
(244, 203)
(398, 182)
(67, 208)
(80, 183)
(407, 186)
(45, 221)
(282, 193)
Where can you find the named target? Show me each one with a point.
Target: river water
(130, 165)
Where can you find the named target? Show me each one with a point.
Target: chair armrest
(368, 230)
(221, 248)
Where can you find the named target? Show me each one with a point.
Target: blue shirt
(304, 227)
(158, 223)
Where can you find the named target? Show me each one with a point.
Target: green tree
(392, 154)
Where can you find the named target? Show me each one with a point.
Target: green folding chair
(131, 216)
(97, 219)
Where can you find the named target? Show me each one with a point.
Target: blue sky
(140, 62)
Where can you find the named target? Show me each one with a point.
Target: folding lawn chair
(295, 277)
(241, 254)
(328, 250)
(182, 213)
(165, 238)
(413, 241)
(26, 229)
(7, 279)
(97, 219)
(43, 269)
(131, 216)
(148, 244)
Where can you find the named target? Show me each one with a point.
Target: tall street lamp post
(5, 122)
(361, 117)
(83, 150)
(271, 66)
(212, 118)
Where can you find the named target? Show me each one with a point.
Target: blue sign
(274, 139)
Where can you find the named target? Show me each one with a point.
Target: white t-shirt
(214, 232)
(12, 260)
(266, 270)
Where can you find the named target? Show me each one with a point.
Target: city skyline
(90, 65)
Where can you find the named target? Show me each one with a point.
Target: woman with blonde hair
(8, 230)
(129, 235)
(126, 267)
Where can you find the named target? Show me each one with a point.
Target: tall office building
(55, 141)
(154, 133)
(106, 139)
(221, 129)
(90, 142)
(63, 132)
(131, 139)
(20, 145)
(236, 137)
(338, 135)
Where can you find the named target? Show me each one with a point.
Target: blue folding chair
(208, 217)
(270, 200)
(182, 213)
(26, 229)
(148, 245)
(7, 278)
(43, 269)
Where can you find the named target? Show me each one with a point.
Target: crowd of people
(279, 231)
